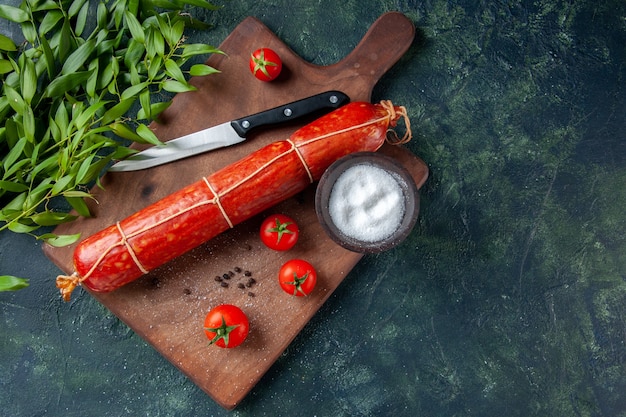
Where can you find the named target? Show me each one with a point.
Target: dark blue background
(506, 300)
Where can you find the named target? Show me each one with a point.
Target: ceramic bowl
(410, 199)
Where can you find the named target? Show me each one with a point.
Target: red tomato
(265, 64)
(297, 277)
(279, 232)
(226, 326)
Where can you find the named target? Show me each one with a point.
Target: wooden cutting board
(167, 307)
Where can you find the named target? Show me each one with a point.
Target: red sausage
(191, 216)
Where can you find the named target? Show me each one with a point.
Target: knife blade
(229, 133)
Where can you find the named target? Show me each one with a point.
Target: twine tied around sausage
(67, 283)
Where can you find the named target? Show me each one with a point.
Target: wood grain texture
(167, 306)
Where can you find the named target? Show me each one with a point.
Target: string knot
(395, 112)
(66, 284)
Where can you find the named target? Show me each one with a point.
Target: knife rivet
(287, 112)
(334, 99)
(245, 124)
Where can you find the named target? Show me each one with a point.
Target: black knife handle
(329, 100)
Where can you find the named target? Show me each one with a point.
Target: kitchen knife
(229, 133)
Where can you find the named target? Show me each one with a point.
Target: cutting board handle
(389, 37)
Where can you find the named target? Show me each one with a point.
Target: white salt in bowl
(367, 202)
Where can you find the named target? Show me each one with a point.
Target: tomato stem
(261, 64)
(221, 332)
(280, 229)
(297, 283)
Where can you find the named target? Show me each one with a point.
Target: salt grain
(367, 203)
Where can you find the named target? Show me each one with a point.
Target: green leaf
(47, 166)
(88, 114)
(119, 8)
(65, 83)
(76, 7)
(133, 6)
(17, 227)
(194, 49)
(201, 3)
(14, 154)
(107, 46)
(193, 23)
(199, 70)
(4, 109)
(83, 170)
(155, 46)
(177, 87)
(97, 168)
(34, 156)
(78, 204)
(166, 4)
(11, 133)
(102, 36)
(28, 80)
(36, 195)
(122, 130)
(117, 111)
(78, 58)
(6, 44)
(16, 101)
(156, 64)
(155, 110)
(122, 152)
(12, 187)
(60, 240)
(14, 207)
(166, 29)
(49, 22)
(77, 109)
(135, 78)
(144, 99)
(76, 194)
(177, 31)
(51, 218)
(30, 32)
(5, 66)
(174, 71)
(61, 184)
(66, 42)
(134, 90)
(134, 27)
(148, 135)
(134, 53)
(92, 82)
(29, 124)
(102, 15)
(43, 5)
(61, 118)
(113, 88)
(12, 283)
(81, 19)
(48, 56)
(106, 76)
(13, 14)
(16, 167)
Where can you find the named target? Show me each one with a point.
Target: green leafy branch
(68, 92)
